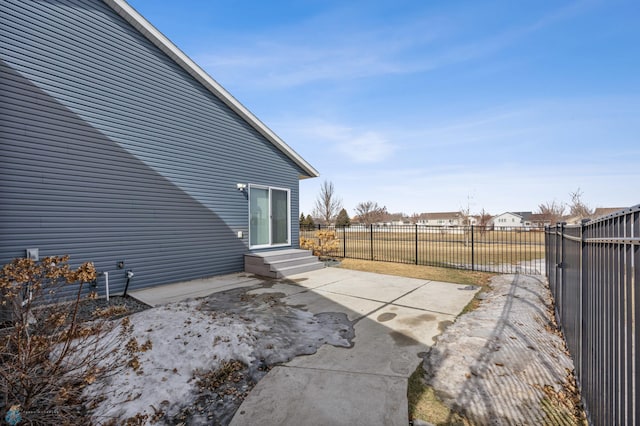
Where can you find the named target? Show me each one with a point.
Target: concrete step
(278, 264)
(299, 269)
(276, 255)
(269, 271)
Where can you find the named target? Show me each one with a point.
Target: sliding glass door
(269, 212)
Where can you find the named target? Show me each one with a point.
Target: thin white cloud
(324, 50)
(571, 127)
(357, 145)
(491, 128)
(367, 147)
(285, 64)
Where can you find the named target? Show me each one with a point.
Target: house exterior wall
(438, 222)
(507, 220)
(110, 151)
(440, 219)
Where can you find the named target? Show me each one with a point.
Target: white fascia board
(122, 8)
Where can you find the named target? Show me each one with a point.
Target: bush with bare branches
(322, 245)
(48, 353)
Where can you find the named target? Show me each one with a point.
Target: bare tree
(577, 207)
(483, 221)
(464, 216)
(465, 220)
(551, 212)
(415, 217)
(370, 212)
(327, 204)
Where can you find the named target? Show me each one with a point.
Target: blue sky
(426, 106)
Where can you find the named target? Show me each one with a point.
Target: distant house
(117, 148)
(440, 219)
(396, 219)
(604, 211)
(539, 220)
(598, 212)
(445, 219)
(509, 220)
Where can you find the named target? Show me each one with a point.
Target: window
(269, 212)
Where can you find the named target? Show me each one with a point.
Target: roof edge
(122, 8)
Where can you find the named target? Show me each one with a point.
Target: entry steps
(281, 263)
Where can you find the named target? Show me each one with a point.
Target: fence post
(344, 241)
(579, 362)
(473, 265)
(546, 250)
(371, 239)
(416, 225)
(560, 283)
(556, 261)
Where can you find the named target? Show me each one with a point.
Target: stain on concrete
(427, 317)
(386, 316)
(418, 320)
(442, 325)
(402, 339)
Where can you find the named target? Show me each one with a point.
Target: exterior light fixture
(241, 186)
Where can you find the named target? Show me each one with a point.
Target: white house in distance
(396, 219)
(440, 219)
(509, 220)
(443, 219)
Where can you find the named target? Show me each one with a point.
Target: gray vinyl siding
(110, 151)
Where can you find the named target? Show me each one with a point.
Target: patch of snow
(257, 330)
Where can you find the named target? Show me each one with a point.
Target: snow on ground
(505, 362)
(199, 335)
(529, 267)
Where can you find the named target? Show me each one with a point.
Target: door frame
(270, 189)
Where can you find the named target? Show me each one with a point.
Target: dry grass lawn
(434, 249)
(425, 405)
(431, 273)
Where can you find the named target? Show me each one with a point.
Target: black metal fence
(593, 271)
(507, 250)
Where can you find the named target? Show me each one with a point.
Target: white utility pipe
(106, 283)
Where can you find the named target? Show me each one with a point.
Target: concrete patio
(395, 320)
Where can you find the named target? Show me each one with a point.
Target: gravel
(88, 306)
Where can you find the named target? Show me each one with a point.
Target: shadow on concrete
(395, 320)
(362, 335)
